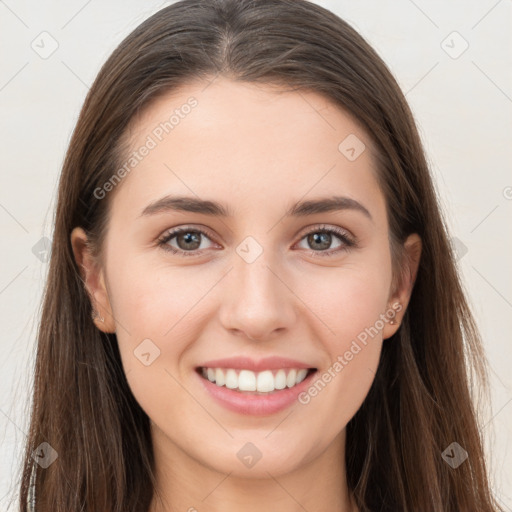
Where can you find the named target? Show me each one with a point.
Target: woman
(199, 350)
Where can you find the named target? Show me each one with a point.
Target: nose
(258, 302)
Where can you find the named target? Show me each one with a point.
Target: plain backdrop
(452, 59)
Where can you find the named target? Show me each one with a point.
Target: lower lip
(253, 404)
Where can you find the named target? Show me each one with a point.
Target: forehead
(246, 145)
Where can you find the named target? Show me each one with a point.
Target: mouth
(245, 381)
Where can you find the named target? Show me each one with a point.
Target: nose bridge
(254, 281)
(259, 301)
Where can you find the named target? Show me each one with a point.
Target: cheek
(350, 306)
(155, 304)
(348, 302)
(159, 310)
(152, 298)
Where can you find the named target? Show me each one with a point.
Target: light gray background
(463, 107)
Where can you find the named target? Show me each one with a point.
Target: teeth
(247, 380)
(290, 379)
(219, 377)
(231, 379)
(280, 380)
(265, 381)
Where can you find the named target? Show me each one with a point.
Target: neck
(185, 484)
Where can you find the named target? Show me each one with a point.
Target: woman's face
(267, 282)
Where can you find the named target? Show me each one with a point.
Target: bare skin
(257, 151)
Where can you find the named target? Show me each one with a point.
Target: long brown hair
(422, 398)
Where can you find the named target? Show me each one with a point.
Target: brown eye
(189, 240)
(320, 241)
(185, 241)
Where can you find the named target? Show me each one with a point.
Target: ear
(399, 298)
(92, 275)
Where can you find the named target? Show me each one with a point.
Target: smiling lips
(255, 388)
(262, 382)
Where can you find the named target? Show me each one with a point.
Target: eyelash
(349, 242)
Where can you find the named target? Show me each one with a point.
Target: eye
(188, 241)
(321, 238)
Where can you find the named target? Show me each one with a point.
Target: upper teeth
(247, 380)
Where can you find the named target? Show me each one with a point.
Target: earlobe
(92, 275)
(400, 300)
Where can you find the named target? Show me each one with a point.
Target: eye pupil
(189, 236)
(324, 239)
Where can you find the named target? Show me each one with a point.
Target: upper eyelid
(325, 227)
(172, 232)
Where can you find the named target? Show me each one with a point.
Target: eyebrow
(215, 209)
